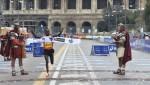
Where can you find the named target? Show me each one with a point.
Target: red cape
(127, 54)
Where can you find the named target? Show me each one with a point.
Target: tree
(147, 15)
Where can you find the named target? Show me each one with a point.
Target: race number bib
(48, 45)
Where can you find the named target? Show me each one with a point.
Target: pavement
(75, 66)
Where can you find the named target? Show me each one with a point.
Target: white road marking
(74, 76)
(74, 83)
(148, 64)
(55, 75)
(93, 76)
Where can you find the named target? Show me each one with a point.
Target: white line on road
(92, 74)
(148, 64)
(55, 75)
(4, 68)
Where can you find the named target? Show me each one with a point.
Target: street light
(117, 10)
(71, 34)
(109, 15)
(12, 8)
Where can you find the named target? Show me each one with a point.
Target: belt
(15, 46)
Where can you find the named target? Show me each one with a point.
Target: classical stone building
(73, 16)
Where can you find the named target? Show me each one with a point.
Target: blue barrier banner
(147, 46)
(38, 52)
(37, 49)
(100, 50)
(140, 44)
(28, 48)
(112, 48)
(36, 44)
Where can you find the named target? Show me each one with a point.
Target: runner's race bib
(48, 45)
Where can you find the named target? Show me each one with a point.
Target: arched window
(71, 4)
(86, 27)
(86, 4)
(56, 4)
(56, 27)
(71, 27)
(101, 4)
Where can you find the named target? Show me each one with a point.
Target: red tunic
(17, 49)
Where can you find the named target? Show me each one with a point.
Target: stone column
(49, 4)
(63, 25)
(80, 5)
(22, 5)
(94, 25)
(78, 26)
(93, 5)
(143, 2)
(63, 6)
(50, 25)
(78, 29)
(36, 3)
(126, 4)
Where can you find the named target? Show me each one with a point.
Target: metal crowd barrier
(140, 44)
(137, 44)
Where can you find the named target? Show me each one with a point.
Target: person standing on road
(48, 48)
(16, 49)
(123, 49)
(3, 45)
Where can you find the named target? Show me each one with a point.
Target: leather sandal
(23, 72)
(122, 72)
(117, 72)
(13, 73)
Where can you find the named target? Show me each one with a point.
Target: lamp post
(117, 10)
(71, 34)
(89, 31)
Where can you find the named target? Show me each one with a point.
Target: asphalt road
(75, 66)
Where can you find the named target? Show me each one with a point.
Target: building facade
(74, 16)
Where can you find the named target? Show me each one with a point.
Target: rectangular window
(117, 2)
(56, 4)
(71, 4)
(30, 4)
(43, 4)
(86, 4)
(101, 4)
(18, 5)
(132, 4)
(7, 6)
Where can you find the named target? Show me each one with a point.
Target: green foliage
(131, 16)
(147, 15)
